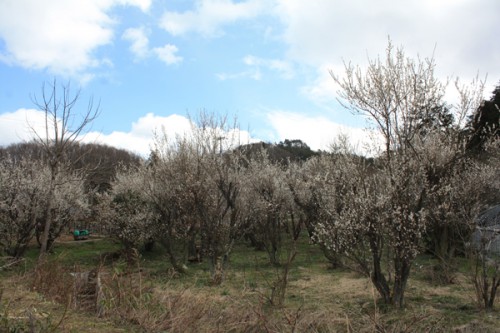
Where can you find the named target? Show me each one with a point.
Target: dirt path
(68, 239)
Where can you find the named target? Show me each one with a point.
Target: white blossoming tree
(126, 211)
(194, 185)
(219, 175)
(173, 185)
(383, 209)
(24, 198)
(23, 189)
(269, 204)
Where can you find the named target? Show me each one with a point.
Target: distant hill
(283, 152)
(100, 162)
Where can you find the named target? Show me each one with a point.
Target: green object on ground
(81, 234)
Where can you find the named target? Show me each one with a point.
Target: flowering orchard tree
(271, 216)
(219, 211)
(218, 204)
(194, 184)
(481, 185)
(450, 207)
(23, 189)
(268, 204)
(173, 185)
(366, 216)
(24, 198)
(69, 206)
(314, 187)
(386, 205)
(126, 211)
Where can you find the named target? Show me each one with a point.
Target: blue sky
(267, 62)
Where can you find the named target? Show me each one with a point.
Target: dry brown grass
(173, 309)
(21, 302)
(333, 302)
(318, 300)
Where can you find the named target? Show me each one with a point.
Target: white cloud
(210, 15)
(254, 74)
(323, 89)
(256, 66)
(284, 68)
(140, 139)
(139, 41)
(19, 126)
(320, 132)
(138, 37)
(167, 54)
(317, 132)
(144, 5)
(58, 35)
(325, 32)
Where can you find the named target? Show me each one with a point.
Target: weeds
(317, 300)
(53, 280)
(484, 273)
(30, 320)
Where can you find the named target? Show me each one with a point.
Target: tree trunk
(333, 258)
(278, 291)
(254, 242)
(194, 250)
(178, 267)
(377, 276)
(401, 272)
(444, 252)
(217, 269)
(493, 292)
(48, 216)
(380, 283)
(273, 255)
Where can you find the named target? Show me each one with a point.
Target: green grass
(85, 254)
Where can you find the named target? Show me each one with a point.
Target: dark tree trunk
(176, 265)
(48, 216)
(254, 242)
(377, 276)
(402, 272)
(149, 245)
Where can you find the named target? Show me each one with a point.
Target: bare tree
(63, 127)
(483, 181)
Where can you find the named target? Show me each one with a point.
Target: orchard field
(149, 296)
(209, 234)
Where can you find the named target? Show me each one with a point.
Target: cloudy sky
(267, 62)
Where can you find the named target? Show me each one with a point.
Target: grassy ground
(150, 298)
